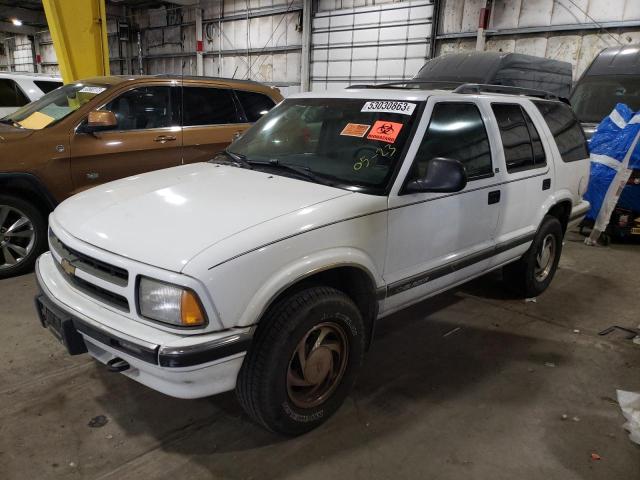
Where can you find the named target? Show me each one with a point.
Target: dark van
(613, 77)
(498, 68)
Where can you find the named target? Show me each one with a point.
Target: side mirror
(100, 120)
(444, 175)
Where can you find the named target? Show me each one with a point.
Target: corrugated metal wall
(365, 41)
(560, 29)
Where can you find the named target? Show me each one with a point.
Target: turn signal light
(191, 312)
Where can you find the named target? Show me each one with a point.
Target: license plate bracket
(61, 326)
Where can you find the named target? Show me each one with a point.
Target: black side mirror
(444, 175)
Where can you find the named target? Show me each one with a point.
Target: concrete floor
(484, 402)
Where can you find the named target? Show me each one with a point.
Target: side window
(11, 95)
(520, 140)
(565, 129)
(456, 130)
(208, 106)
(254, 104)
(47, 85)
(143, 108)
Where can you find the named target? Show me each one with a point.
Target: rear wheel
(532, 274)
(303, 361)
(23, 232)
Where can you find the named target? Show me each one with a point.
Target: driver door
(437, 239)
(148, 137)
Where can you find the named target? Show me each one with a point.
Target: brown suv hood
(11, 134)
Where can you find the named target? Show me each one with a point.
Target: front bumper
(181, 366)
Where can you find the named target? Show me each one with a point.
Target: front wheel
(303, 361)
(23, 235)
(532, 274)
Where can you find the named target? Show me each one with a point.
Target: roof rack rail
(486, 88)
(403, 83)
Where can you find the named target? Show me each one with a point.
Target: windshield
(54, 106)
(349, 143)
(595, 96)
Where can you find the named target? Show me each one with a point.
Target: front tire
(303, 361)
(23, 235)
(533, 273)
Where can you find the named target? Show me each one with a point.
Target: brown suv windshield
(55, 105)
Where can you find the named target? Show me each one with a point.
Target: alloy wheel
(17, 236)
(317, 365)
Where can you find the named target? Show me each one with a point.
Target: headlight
(169, 304)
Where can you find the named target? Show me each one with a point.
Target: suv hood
(11, 134)
(165, 218)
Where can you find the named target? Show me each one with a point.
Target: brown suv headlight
(169, 303)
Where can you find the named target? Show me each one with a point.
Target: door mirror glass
(444, 175)
(101, 120)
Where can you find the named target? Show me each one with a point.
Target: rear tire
(23, 235)
(303, 361)
(532, 274)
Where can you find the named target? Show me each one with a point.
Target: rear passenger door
(211, 119)
(526, 172)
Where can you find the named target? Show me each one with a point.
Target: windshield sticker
(385, 106)
(385, 131)
(95, 90)
(355, 130)
(36, 121)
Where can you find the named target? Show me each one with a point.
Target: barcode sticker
(95, 90)
(389, 106)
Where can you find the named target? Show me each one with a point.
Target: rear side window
(254, 104)
(47, 85)
(520, 139)
(565, 129)
(456, 131)
(208, 106)
(10, 94)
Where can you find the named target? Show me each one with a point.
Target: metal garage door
(385, 41)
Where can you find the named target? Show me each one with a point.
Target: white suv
(18, 89)
(266, 269)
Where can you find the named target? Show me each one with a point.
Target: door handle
(494, 197)
(164, 138)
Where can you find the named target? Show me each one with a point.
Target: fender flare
(29, 182)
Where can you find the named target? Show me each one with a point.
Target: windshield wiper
(236, 159)
(8, 121)
(296, 169)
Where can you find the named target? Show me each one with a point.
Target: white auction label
(389, 106)
(95, 90)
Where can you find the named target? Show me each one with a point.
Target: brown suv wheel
(23, 235)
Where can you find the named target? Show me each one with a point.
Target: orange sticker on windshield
(385, 131)
(355, 130)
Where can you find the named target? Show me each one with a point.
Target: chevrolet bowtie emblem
(68, 268)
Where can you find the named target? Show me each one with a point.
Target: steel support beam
(79, 32)
(305, 60)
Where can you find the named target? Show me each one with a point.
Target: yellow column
(79, 32)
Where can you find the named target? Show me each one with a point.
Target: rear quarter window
(566, 130)
(255, 105)
(47, 85)
(10, 94)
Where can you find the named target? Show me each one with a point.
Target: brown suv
(105, 128)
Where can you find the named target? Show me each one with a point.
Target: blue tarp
(608, 147)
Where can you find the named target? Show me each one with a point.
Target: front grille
(97, 268)
(95, 291)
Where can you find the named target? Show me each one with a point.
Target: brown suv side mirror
(100, 120)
